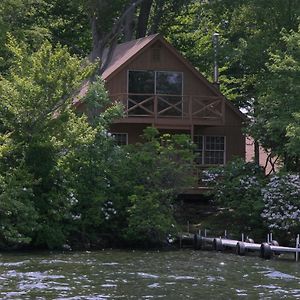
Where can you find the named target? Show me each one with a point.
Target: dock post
(243, 238)
(297, 247)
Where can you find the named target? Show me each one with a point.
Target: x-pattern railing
(134, 105)
(211, 107)
(180, 106)
(176, 107)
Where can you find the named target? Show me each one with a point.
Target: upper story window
(210, 150)
(155, 82)
(141, 82)
(165, 86)
(169, 83)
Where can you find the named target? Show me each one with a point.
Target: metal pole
(216, 46)
(297, 247)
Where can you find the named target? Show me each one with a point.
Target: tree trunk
(143, 19)
(158, 13)
(129, 25)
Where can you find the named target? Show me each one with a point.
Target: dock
(266, 249)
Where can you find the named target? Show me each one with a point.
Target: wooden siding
(169, 62)
(228, 124)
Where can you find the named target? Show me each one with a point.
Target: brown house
(159, 87)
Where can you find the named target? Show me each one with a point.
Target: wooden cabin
(159, 87)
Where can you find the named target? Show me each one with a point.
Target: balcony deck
(179, 110)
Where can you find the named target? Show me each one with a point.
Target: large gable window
(141, 82)
(146, 86)
(210, 150)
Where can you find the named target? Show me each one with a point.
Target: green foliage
(143, 181)
(18, 216)
(150, 220)
(248, 29)
(277, 123)
(282, 204)
(37, 98)
(238, 190)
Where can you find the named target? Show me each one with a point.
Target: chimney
(215, 40)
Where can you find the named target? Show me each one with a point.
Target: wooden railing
(172, 106)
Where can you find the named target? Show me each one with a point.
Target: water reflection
(146, 275)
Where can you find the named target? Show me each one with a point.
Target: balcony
(192, 109)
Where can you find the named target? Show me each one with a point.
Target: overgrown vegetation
(63, 179)
(254, 203)
(237, 190)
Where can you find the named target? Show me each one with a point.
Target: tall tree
(276, 124)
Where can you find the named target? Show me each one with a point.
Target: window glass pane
(214, 143)
(169, 83)
(214, 150)
(214, 157)
(141, 82)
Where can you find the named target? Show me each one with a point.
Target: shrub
(237, 189)
(281, 198)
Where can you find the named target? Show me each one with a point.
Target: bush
(281, 198)
(150, 219)
(237, 189)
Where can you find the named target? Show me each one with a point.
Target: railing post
(126, 103)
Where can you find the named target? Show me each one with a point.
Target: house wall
(168, 62)
(192, 85)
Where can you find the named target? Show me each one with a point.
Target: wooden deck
(181, 109)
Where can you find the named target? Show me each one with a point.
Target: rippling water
(146, 275)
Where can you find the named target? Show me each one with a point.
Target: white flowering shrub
(281, 198)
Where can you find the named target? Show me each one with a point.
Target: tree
(41, 136)
(277, 122)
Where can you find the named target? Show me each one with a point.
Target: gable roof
(126, 52)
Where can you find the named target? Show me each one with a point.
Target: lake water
(114, 274)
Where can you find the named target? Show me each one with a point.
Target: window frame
(204, 149)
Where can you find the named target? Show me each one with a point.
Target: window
(141, 82)
(169, 83)
(144, 84)
(210, 150)
(121, 139)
